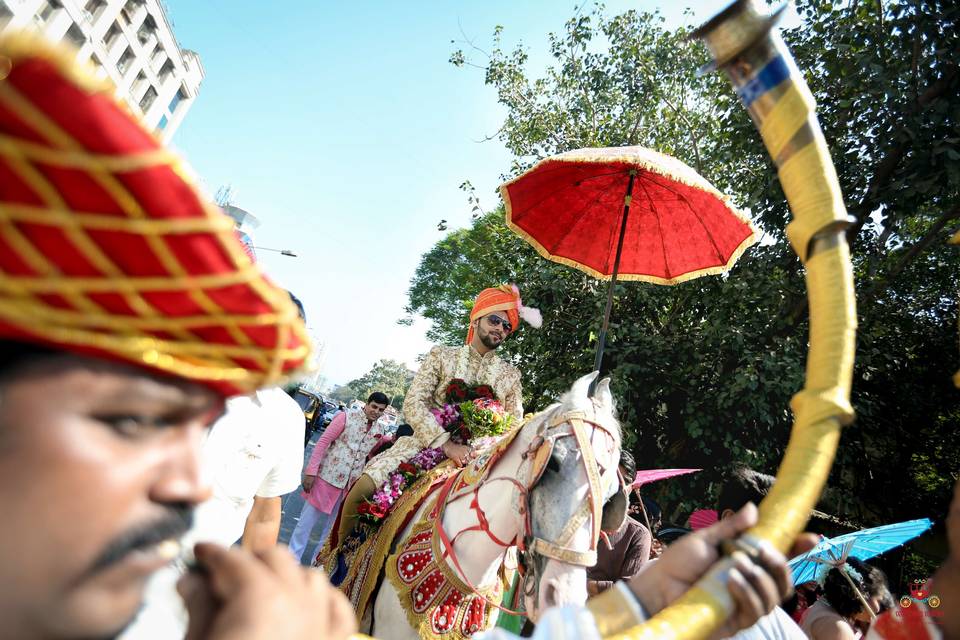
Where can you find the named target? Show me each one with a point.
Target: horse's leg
(389, 618)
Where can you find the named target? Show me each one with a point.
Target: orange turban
(503, 298)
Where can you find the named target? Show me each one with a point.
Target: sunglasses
(497, 321)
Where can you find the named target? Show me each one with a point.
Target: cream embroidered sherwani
(442, 365)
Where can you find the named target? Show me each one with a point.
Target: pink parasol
(652, 475)
(702, 518)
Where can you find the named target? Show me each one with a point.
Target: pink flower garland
(447, 415)
(471, 413)
(374, 511)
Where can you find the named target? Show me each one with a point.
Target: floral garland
(373, 511)
(470, 412)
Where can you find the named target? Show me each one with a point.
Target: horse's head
(575, 491)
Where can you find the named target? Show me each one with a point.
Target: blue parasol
(863, 545)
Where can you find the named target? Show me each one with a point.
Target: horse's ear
(581, 388)
(603, 394)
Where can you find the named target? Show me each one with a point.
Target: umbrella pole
(643, 509)
(613, 279)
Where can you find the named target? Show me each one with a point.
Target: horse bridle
(533, 550)
(538, 455)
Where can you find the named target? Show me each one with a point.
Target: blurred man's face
(99, 467)
(373, 410)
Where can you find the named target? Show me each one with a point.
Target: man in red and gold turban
(495, 315)
(129, 312)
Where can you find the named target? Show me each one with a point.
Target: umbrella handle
(643, 509)
(856, 589)
(602, 339)
(744, 42)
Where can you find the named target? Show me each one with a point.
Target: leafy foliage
(388, 376)
(343, 393)
(704, 371)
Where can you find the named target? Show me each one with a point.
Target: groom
(495, 315)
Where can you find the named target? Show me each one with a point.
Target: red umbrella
(626, 213)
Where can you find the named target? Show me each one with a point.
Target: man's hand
(461, 454)
(246, 596)
(755, 588)
(308, 482)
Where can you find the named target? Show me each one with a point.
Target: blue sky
(344, 129)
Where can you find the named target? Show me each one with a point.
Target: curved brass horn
(746, 45)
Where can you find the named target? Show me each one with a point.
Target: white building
(129, 41)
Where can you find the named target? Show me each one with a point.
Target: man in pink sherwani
(338, 459)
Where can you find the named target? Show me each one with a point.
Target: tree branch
(492, 136)
(888, 229)
(587, 102)
(469, 41)
(799, 309)
(690, 128)
(928, 238)
(632, 138)
(886, 167)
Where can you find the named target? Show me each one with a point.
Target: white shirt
(254, 449)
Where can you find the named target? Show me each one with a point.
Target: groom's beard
(490, 342)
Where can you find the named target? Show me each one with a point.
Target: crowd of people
(147, 445)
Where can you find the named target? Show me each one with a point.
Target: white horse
(547, 491)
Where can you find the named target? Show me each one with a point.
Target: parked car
(389, 419)
(313, 407)
(330, 409)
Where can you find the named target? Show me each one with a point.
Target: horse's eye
(554, 463)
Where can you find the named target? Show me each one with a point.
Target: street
(293, 502)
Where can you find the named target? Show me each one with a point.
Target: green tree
(343, 393)
(388, 376)
(704, 371)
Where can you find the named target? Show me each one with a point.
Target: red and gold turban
(106, 247)
(503, 298)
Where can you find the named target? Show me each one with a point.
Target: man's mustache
(172, 526)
